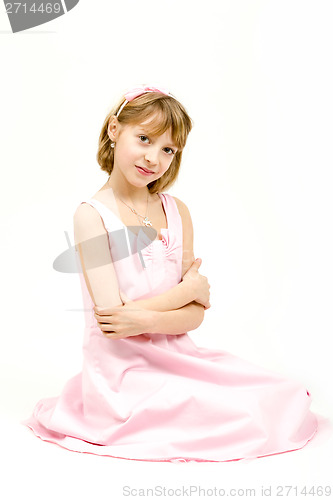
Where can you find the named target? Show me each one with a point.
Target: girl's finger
(113, 336)
(103, 319)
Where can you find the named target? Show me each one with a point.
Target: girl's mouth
(143, 172)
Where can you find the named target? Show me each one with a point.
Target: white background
(256, 78)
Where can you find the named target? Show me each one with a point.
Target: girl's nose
(151, 156)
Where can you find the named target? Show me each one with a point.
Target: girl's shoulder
(187, 230)
(180, 204)
(87, 223)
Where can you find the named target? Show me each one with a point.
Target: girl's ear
(113, 128)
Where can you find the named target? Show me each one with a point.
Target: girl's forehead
(154, 127)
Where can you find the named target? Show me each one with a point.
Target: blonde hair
(167, 112)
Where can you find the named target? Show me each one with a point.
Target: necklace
(146, 222)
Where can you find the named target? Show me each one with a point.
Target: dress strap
(173, 216)
(109, 219)
(118, 236)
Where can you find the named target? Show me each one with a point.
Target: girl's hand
(123, 321)
(199, 284)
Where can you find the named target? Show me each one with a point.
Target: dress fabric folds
(158, 397)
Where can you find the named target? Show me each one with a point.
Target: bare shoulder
(182, 207)
(85, 214)
(87, 222)
(186, 218)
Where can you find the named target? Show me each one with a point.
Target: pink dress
(158, 397)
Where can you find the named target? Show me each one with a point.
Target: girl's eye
(169, 151)
(145, 139)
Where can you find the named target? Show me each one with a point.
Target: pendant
(146, 222)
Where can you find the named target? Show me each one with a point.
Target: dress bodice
(144, 268)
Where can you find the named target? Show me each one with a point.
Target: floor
(40, 470)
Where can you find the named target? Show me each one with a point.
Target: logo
(67, 262)
(28, 14)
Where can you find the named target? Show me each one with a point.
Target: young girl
(146, 390)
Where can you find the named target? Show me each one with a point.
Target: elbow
(199, 315)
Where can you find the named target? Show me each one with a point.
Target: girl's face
(137, 150)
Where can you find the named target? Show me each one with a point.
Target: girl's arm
(185, 292)
(176, 297)
(92, 243)
(173, 312)
(169, 315)
(176, 322)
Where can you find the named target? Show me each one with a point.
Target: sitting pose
(146, 390)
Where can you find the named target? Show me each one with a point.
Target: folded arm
(178, 321)
(174, 311)
(184, 293)
(174, 298)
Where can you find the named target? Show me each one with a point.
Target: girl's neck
(134, 196)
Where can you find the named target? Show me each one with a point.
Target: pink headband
(133, 93)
